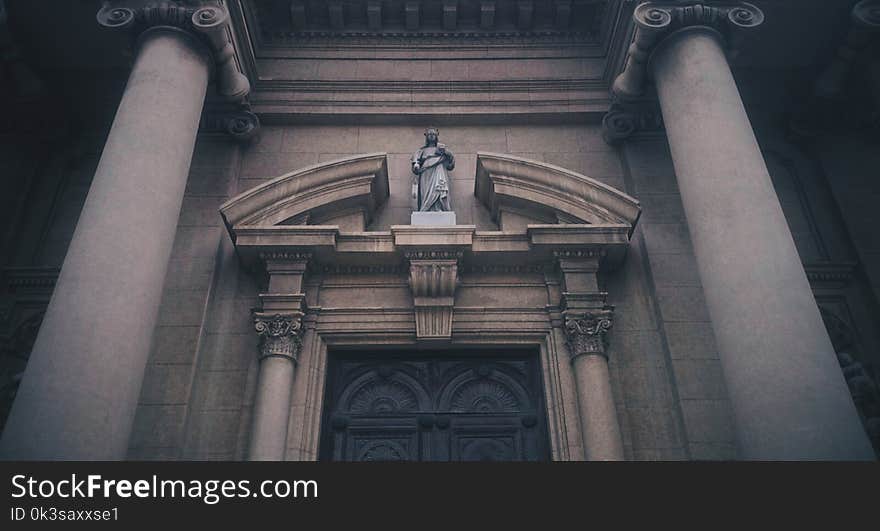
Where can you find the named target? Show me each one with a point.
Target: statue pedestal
(433, 218)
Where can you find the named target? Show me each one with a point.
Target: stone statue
(431, 182)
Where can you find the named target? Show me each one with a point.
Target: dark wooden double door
(443, 408)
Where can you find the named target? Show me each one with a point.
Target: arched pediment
(324, 209)
(359, 183)
(507, 182)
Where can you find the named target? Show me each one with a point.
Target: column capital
(586, 331)
(866, 14)
(207, 21)
(830, 106)
(633, 109)
(280, 334)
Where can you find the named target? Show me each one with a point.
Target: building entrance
(450, 407)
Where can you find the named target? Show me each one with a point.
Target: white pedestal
(433, 218)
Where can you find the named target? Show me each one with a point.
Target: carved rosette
(433, 278)
(205, 20)
(280, 334)
(585, 332)
(655, 21)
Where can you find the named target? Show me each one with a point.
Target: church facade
(445, 230)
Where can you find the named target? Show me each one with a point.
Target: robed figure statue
(430, 165)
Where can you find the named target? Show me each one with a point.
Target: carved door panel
(449, 408)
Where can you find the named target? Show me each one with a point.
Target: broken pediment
(519, 191)
(344, 192)
(541, 209)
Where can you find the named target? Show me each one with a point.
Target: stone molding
(633, 108)
(422, 19)
(360, 180)
(507, 180)
(206, 20)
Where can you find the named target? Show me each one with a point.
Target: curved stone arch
(359, 181)
(508, 181)
(470, 390)
(373, 393)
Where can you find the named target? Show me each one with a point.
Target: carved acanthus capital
(586, 331)
(280, 334)
(632, 109)
(206, 20)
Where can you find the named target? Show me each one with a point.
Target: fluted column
(79, 393)
(789, 397)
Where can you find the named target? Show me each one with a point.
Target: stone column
(79, 393)
(279, 350)
(789, 397)
(279, 326)
(585, 335)
(587, 321)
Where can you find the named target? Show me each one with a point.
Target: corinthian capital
(207, 21)
(279, 334)
(585, 332)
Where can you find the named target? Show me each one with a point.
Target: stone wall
(645, 369)
(197, 391)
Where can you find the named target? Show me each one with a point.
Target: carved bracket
(433, 278)
(654, 22)
(280, 334)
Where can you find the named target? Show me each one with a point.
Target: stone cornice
(206, 20)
